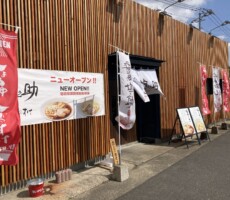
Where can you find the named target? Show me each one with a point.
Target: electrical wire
(213, 19)
(179, 5)
(221, 29)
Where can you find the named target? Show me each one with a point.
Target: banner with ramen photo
(48, 95)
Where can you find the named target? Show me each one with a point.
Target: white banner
(149, 78)
(47, 95)
(127, 113)
(138, 86)
(145, 82)
(216, 89)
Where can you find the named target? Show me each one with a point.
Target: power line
(203, 15)
(180, 5)
(217, 22)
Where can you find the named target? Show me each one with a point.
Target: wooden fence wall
(76, 35)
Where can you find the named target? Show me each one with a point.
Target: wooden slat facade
(76, 35)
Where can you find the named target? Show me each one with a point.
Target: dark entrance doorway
(148, 119)
(147, 114)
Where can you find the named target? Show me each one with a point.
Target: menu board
(186, 121)
(197, 119)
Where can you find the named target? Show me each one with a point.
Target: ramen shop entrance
(147, 127)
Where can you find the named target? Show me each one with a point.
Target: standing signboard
(114, 151)
(187, 124)
(186, 121)
(198, 120)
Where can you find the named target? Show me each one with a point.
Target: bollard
(69, 174)
(58, 177)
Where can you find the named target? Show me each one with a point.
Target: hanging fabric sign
(145, 83)
(127, 115)
(49, 95)
(9, 115)
(226, 91)
(203, 76)
(216, 89)
(138, 86)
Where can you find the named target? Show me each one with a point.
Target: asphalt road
(203, 175)
(199, 173)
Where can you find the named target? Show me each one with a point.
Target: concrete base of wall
(224, 126)
(214, 130)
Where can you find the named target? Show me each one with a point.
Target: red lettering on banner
(9, 114)
(54, 79)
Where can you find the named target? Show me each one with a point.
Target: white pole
(118, 100)
(223, 70)
(214, 115)
(118, 107)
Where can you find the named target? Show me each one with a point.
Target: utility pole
(199, 21)
(202, 14)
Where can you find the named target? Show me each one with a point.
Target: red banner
(9, 114)
(226, 91)
(205, 106)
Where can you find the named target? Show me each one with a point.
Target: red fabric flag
(205, 106)
(9, 114)
(226, 91)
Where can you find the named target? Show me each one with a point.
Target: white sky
(180, 14)
(187, 15)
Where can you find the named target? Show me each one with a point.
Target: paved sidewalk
(133, 155)
(203, 175)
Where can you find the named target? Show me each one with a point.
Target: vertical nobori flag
(127, 113)
(216, 89)
(226, 90)
(9, 114)
(203, 76)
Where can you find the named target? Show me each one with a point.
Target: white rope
(119, 49)
(17, 27)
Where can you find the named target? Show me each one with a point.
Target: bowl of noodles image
(90, 107)
(200, 126)
(57, 110)
(188, 129)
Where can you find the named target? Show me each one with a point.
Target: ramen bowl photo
(90, 108)
(200, 126)
(188, 129)
(57, 110)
